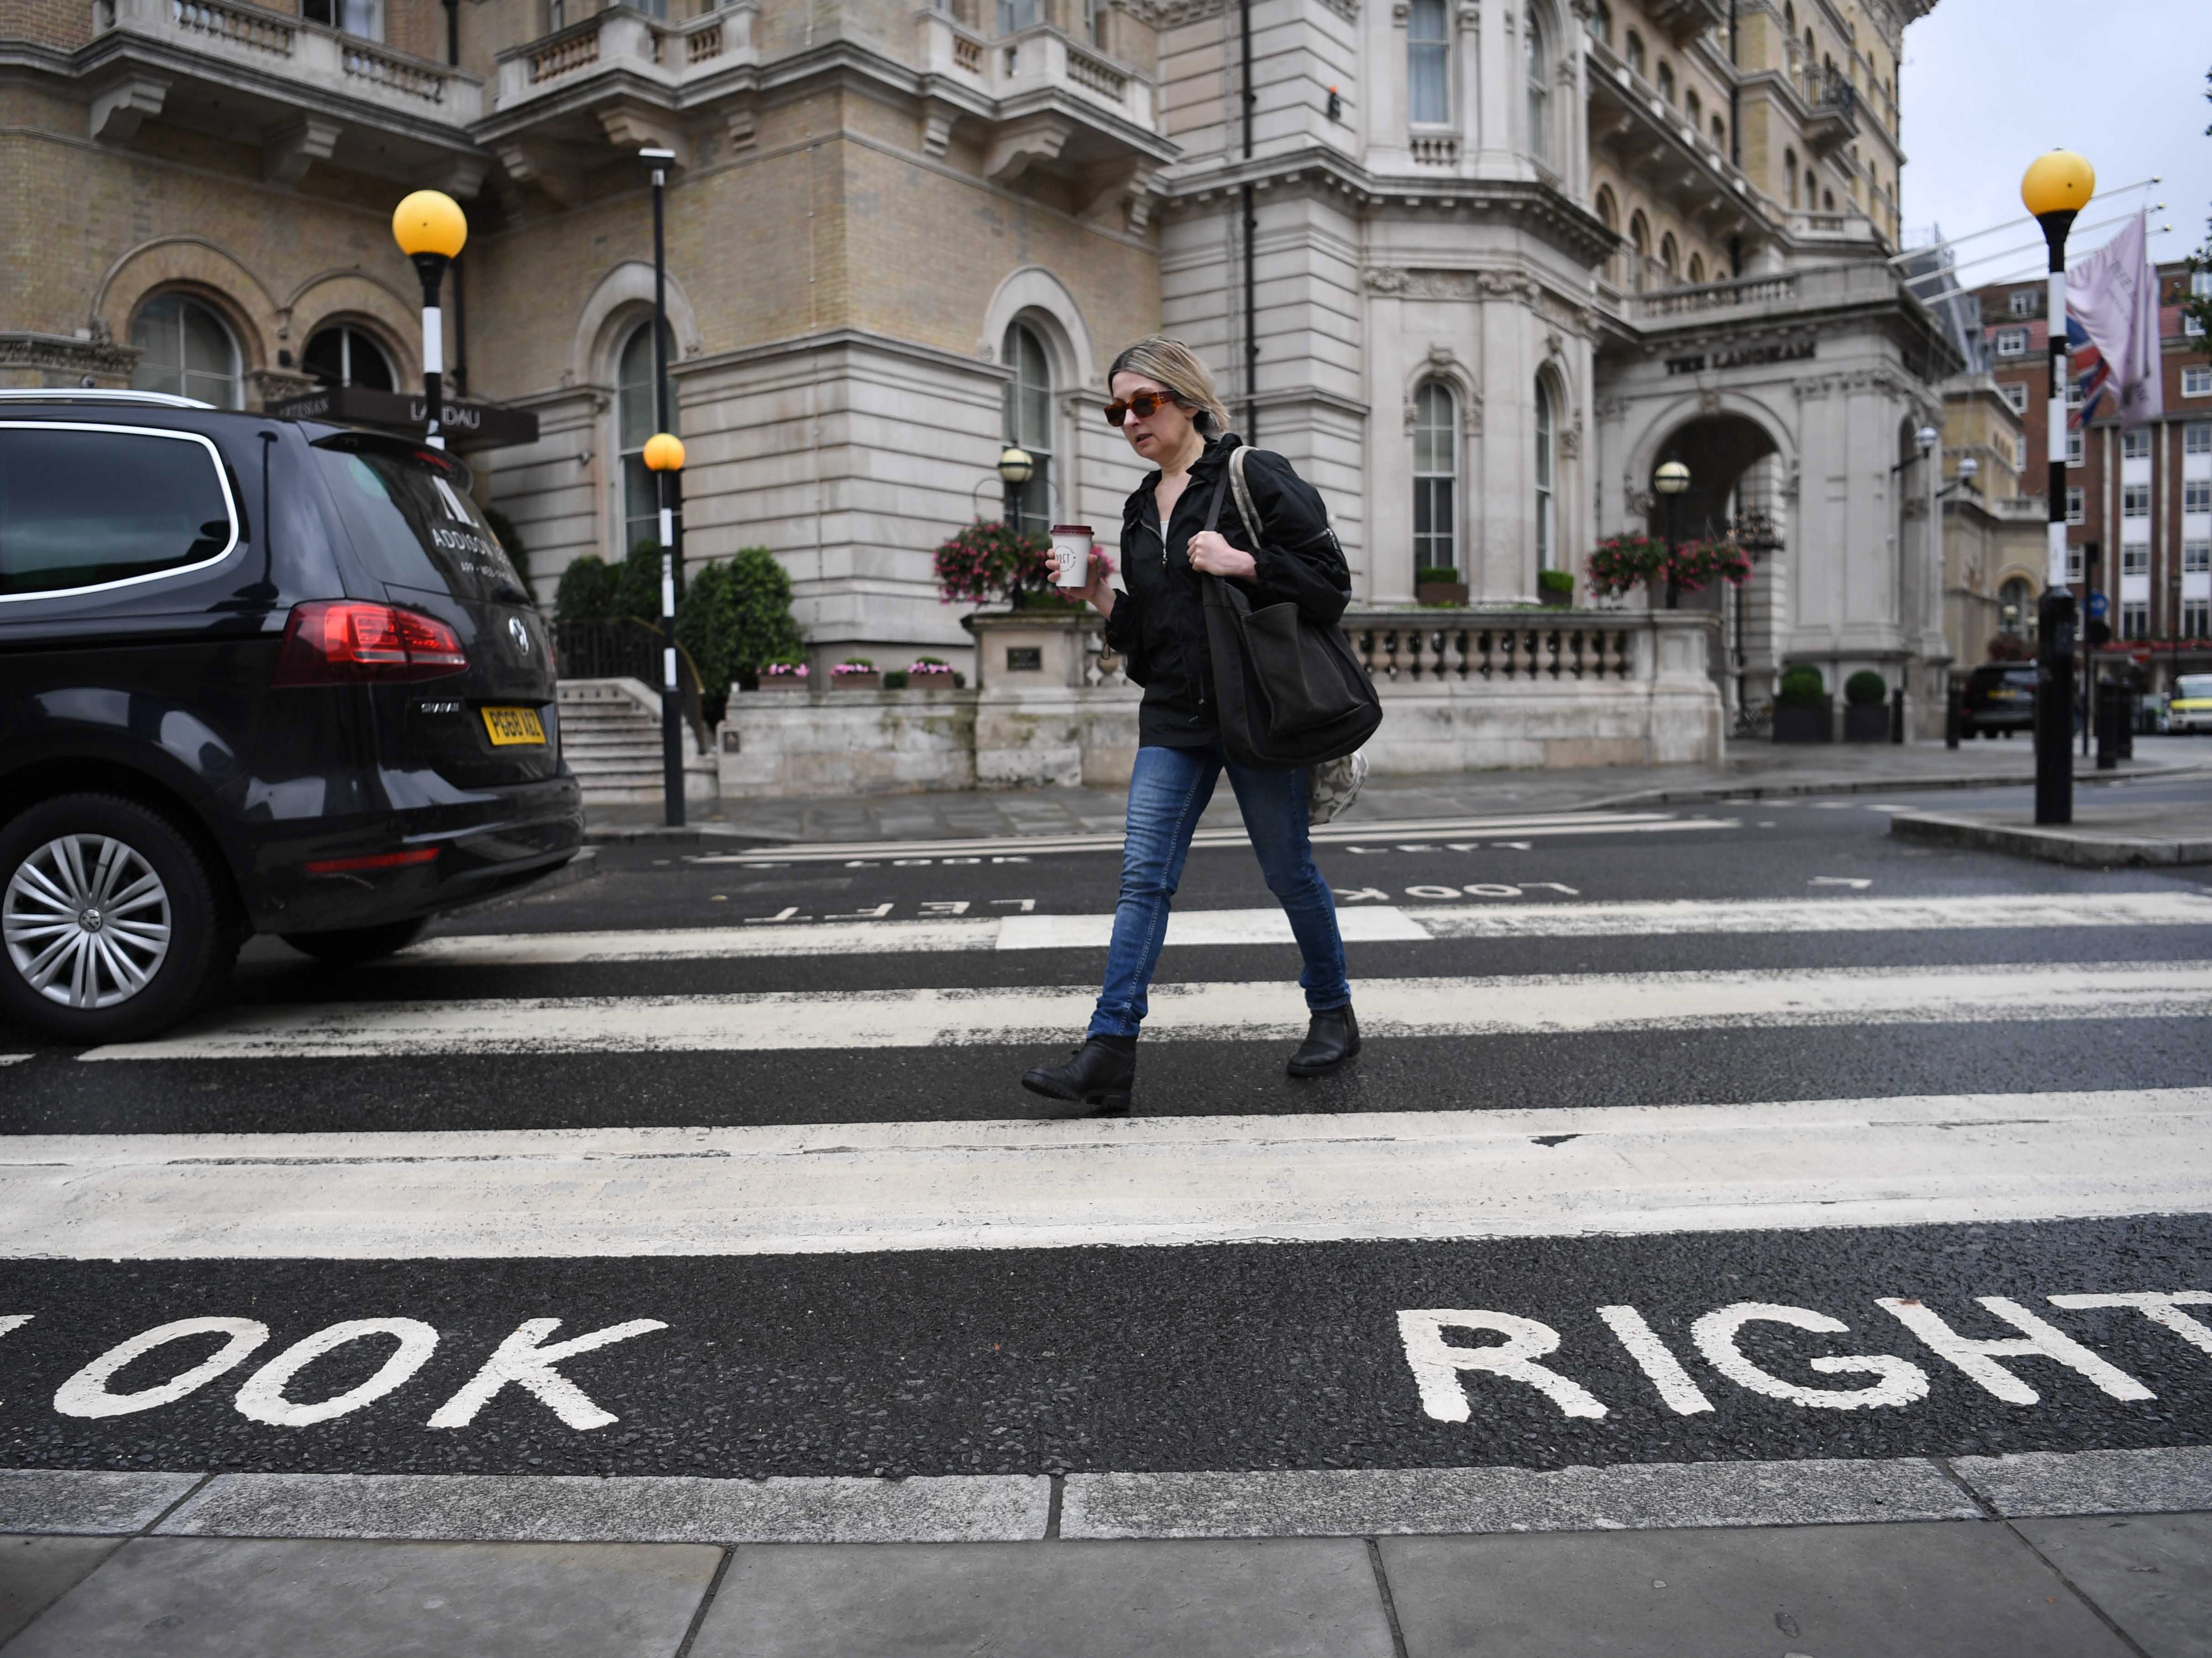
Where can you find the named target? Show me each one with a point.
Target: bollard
(2107, 724)
(2126, 744)
(1897, 715)
(1954, 715)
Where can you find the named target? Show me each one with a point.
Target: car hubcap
(87, 921)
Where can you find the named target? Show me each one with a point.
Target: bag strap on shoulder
(1245, 509)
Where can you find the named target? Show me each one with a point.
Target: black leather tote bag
(1288, 690)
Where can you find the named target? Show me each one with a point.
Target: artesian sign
(477, 423)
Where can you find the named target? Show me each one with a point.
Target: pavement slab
(1280, 1599)
(37, 1571)
(1965, 1589)
(2151, 1574)
(186, 1598)
(60, 1500)
(2031, 1483)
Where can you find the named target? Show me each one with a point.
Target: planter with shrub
(1438, 584)
(1865, 708)
(856, 673)
(1802, 709)
(785, 673)
(1556, 588)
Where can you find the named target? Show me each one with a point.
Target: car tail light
(339, 641)
(375, 860)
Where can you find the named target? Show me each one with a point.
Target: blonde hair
(1175, 368)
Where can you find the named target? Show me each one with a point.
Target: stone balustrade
(1462, 691)
(625, 45)
(1041, 58)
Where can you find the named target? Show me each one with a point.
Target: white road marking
(1268, 926)
(13, 1059)
(1534, 823)
(858, 1187)
(1265, 1011)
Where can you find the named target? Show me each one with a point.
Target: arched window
(1547, 536)
(1608, 215)
(345, 355)
(1634, 51)
(1720, 135)
(1029, 422)
(1694, 108)
(1666, 82)
(1811, 189)
(2015, 607)
(1790, 173)
(1696, 269)
(1436, 477)
(1535, 51)
(1640, 242)
(1668, 256)
(1827, 201)
(189, 352)
(634, 417)
(1790, 15)
(1428, 64)
(1601, 22)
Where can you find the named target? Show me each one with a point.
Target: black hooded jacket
(1159, 624)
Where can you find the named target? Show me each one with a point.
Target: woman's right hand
(1093, 591)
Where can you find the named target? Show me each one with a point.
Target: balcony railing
(1038, 59)
(623, 42)
(1716, 297)
(230, 34)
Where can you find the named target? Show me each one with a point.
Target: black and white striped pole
(664, 458)
(2057, 188)
(430, 228)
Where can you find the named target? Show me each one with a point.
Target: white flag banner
(2113, 295)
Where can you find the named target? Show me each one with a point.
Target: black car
(255, 676)
(1999, 697)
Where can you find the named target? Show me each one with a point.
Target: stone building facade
(1476, 267)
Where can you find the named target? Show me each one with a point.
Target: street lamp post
(1016, 467)
(663, 457)
(2057, 187)
(430, 228)
(1670, 480)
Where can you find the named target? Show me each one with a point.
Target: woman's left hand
(1212, 555)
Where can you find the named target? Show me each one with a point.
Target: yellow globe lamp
(2059, 182)
(429, 222)
(664, 452)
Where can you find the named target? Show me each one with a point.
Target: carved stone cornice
(102, 358)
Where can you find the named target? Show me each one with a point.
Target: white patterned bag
(1333, 784)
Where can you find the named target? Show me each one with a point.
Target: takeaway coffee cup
(1071, 553)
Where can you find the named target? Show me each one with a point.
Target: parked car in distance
(1999, 697)
(255, 676)
(2191, 707)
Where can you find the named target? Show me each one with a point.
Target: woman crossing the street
(1179, 526)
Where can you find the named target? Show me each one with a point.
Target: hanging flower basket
(1620, 564)
(988, 562)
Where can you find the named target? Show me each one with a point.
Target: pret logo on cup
(1071, 553)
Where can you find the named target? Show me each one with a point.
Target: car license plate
(510, 725)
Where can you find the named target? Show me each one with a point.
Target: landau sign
(358, 405)
(1746, 356)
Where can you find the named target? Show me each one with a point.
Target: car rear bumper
(2002, 718)
(393, 865)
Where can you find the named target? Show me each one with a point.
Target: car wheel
(112, 925)
(349, 946)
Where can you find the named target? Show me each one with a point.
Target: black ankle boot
(1098, 1079)
(1331, 1040)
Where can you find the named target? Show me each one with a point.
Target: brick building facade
(2139, 506)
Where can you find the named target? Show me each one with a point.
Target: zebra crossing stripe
(1317, 1177)
(1269, 1011)
(1376, 924)
(1427, 829)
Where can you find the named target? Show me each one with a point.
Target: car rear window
(413, 523)
(1987, 679)
(84, 506)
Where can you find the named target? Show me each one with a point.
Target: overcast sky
(1987, 85)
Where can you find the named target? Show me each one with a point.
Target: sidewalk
(2088, 1555)
(2101, 835)
(1754, 770)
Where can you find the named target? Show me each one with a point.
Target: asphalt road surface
(1691, 1135)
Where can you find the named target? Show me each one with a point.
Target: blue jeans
(1168, 790)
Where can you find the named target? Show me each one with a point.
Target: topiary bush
(1436, 572)
(1803, 687)
(1865, 687)
(735, 618)
(586, 591)
(1556, 581)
